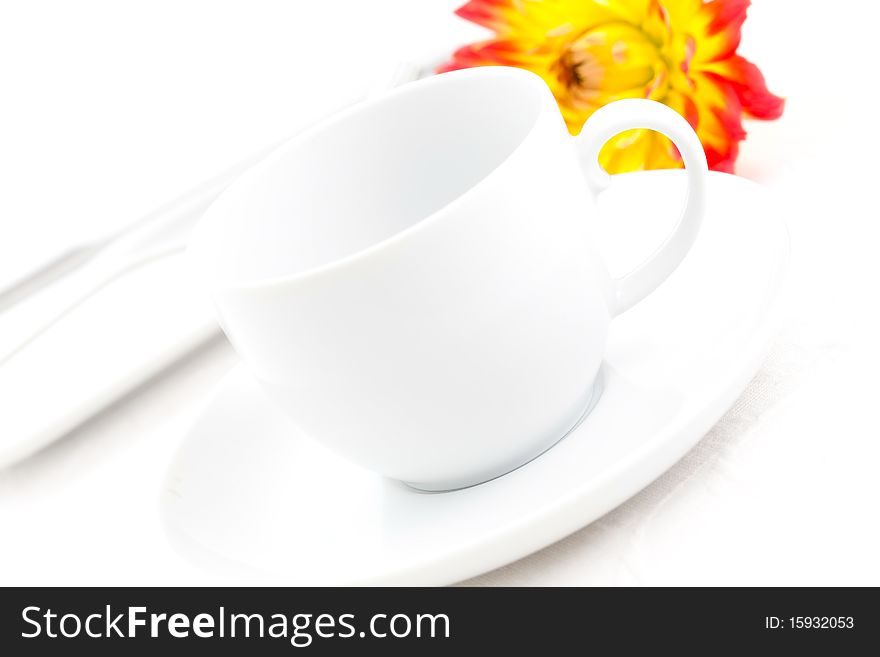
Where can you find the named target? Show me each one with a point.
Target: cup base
(593, 397)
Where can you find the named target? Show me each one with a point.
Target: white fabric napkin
(117, 340)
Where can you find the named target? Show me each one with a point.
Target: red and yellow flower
(592, 52)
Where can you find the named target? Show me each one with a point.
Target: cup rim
(529, 79)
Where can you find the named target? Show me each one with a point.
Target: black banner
(114, 621)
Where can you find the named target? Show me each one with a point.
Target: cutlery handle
(163, 229)
(167, 229)
(59, 264)
(36, 314)
(160, 225)
(156, 235)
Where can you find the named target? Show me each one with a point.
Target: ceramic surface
(416, 280)
(249, 496)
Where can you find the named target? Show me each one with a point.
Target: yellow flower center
(611, 61)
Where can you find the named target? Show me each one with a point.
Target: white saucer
(248, 496)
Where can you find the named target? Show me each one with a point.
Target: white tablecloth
(116, 110)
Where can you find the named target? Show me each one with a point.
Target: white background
(108, 109)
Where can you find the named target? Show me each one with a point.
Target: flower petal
(488, 13)
(725, 25)
(592, 52)
(751, 89)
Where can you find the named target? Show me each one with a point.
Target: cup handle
(614, 118)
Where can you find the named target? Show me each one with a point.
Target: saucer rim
(578, 507)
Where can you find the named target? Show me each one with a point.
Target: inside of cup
(365, 175)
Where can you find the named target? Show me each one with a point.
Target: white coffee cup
(414, 280)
